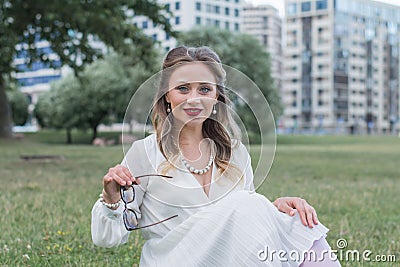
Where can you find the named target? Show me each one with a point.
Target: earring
(168, 107)
(214, 110)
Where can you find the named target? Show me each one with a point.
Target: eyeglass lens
(130, 219)
(127, 194)
(129, 215)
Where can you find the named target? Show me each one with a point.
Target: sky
(280, 4)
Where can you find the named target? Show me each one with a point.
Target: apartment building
(225, 14)
(264, 22)
(35, 79)
(341, 66)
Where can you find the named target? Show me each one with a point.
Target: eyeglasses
(129, 215)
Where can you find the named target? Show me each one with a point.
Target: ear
(167, 98)
(216, 98)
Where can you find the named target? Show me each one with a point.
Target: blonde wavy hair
(220, 127)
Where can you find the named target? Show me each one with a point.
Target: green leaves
(19, 106)
(100, 94)
(71, 28)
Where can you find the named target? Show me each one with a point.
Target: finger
(292, 212)
(302, 213)
(109, 178)
(309, 218)
(287, 209)
(129, 175)
(315, 217)
(124, 175)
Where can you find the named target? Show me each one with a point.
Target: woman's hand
(289, 205)
(116, 177)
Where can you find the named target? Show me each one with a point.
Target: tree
(58, 108)
(240, 51)
(69, 26)
(19, 107)
(100, 95)
(108, 87)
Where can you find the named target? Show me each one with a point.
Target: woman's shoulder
(239, 150)
(147, 145)
(142, 151)
(146, 142)
(237, 145)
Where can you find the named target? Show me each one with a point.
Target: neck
(190, 135)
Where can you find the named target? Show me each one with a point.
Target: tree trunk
(5, 112)
(94, 135)
(69, 136)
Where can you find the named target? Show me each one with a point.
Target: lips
(192, 111)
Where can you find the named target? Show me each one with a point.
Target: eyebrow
(186, 82)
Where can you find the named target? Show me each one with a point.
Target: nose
(193, 97)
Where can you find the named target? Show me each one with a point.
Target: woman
(190, 188)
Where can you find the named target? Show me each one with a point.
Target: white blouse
(157, 198)
(230, 227)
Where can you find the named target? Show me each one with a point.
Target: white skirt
(242, 229)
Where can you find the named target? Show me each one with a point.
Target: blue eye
(205, 90)
(182, 88)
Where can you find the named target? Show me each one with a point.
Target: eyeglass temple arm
(146, 175)
(156, 222)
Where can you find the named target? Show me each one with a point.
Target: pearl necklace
(196, 171)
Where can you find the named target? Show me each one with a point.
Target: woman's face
(192, 93)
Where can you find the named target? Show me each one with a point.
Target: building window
(208, 8)
(155, 37)
(265, 21)
(217, 23)
(265, 40)
(322, 4)
(236, 12)
(292, 9)
(198, 6)
(217, 9)
(198, 20)
(236, 26)
(177, 20)
(167, 7)
(167, 36)
(305, 6)
(177, 5)
(227, 25)
(227, 11)
(145, 25)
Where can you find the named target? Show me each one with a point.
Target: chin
(192, 122)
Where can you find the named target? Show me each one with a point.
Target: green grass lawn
(353, 182)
